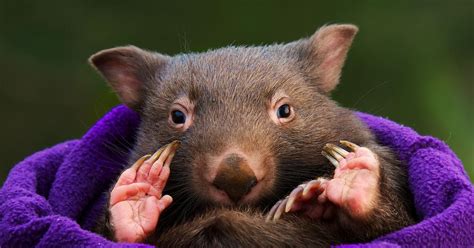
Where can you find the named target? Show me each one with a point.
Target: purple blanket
(52, 198)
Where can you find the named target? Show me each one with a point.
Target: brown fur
(230, 89)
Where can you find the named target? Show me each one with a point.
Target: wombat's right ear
(324, 53)
(128, 69)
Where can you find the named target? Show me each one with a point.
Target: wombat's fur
(230, 89)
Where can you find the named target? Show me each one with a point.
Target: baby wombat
(254, 124)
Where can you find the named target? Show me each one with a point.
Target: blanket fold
(54, 197)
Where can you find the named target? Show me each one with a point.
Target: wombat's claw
(152, 158)
(349, 144)
(173, 146)
(280, 209)
(292, 202)
(330, 158)
(272, 211)
(292, 197)
(277, 210)
(335, 153)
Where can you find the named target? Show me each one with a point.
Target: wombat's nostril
(235, 189)
(251, 184)
(235, 177)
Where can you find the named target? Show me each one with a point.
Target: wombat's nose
(235, 177)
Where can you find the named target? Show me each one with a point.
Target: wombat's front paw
(136, 201)
(354, 190)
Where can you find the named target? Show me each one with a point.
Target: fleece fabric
(53, 197)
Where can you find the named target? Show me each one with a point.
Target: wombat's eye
(181, 114)
(284, 111)
(178, 117)
(281, 110)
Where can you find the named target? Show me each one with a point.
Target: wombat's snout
(235, 177)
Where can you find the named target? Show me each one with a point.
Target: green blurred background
(412, 60)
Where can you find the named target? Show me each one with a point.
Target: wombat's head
(252, 120)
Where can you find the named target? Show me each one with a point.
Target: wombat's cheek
(235, 177)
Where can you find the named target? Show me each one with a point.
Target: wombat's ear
(327, 50)
(127, 69)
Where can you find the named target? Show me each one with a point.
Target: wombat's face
(251, 120)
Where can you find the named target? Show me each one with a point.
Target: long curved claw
(349, 144)
(140, 161)
(272, 211)
(330, 158)
(292, 197)
(280, 210)
(174, 144)
(335, 153)
(338, 149)
(310, 186)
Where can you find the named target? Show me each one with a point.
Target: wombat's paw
(354, 190)
(136, 201)
(355, 186)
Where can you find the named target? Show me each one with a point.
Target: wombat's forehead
(258, 69)
(230, 65)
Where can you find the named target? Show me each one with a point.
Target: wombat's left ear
(128, 70)
(327, 50)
